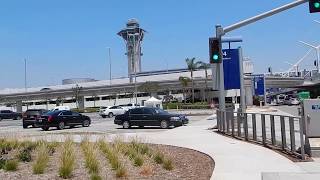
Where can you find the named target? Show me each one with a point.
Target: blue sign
(231, 68)
(259, 84)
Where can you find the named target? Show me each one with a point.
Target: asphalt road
(98, 125)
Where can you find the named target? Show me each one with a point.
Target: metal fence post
(301, 128)
(283, 133)
(292, 136)
(263, 126)
(223, 121)
(254, 127)
(245, 126)
(232, 126)
(273, 131)
(228, 121)
(239, 123)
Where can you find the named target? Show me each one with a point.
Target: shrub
(24, 155)
(121, 172)
(158, 157)
(67, 159)
(90, 154)
(167, 164)
(138, 160)
(95, 177)
(146, 170)
(42, 159)
(11, 165)
(2, 163)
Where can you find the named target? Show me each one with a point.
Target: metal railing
(286, 133)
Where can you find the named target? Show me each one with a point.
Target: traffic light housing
(314, 6)
(214, 50)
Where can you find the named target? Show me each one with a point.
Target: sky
(69, 39)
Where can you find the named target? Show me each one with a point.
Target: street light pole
(25, 75)
(110, 70)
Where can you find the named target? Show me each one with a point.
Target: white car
(113, 111)
(129, 106)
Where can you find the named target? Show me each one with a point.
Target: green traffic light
(316, 4)
(215, 57)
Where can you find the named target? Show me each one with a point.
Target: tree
(205, 66)
(192, 66)
(149, 87)
(184, 82)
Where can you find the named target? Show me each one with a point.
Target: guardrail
(285, 133)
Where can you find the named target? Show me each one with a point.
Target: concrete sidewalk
(233, 159)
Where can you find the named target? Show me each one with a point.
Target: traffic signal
(214, 49)
(314, 6)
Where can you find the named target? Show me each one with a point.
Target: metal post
(301, 127)
(318, 57)
(263, 126)
(25, 75)
(264, 15)
(222, 106)
(245, 126)
(273, 131)
(283, 133)
(254, 127)
(239, 123)
(292, 135)
(232, 126)
(110, 69)
(242, 91)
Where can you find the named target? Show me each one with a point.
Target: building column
(81, 102)
(248, 95)
(19, 106)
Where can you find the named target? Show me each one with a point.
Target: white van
(61, 108)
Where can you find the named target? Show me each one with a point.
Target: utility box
(311, 108)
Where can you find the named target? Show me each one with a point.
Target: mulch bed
(187, 163)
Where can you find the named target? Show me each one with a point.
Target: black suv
(7, 114)
(145, 116)
(30, 116)
(60, 119)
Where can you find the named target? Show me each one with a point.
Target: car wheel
(45, 128)
(0, 119)
(86, 123)
(110, 115)
(164, 124)
(25, 126)
(126, 125)
(60, 125)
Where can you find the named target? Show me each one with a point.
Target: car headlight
(175, 118)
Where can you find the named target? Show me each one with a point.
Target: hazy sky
(69, 38)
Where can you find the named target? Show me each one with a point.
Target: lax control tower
(133, 36)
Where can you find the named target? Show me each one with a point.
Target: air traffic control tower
(133, 36)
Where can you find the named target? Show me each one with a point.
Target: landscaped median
(100, 160)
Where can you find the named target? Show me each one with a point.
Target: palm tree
(192, 66)
(149, 87)
(205, 66)
(184, 82)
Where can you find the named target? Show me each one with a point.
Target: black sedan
(30, 117)
(60, 119)
(145, 116)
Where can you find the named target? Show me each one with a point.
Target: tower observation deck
(133, 36)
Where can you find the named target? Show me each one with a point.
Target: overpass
(166, 81)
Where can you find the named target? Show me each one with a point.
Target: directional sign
(231, 68)
(259, 84)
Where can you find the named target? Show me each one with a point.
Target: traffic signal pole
(220, 32)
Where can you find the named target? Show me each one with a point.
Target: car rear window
(34, 112)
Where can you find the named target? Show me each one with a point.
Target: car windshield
(160, 111)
